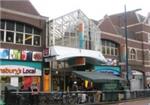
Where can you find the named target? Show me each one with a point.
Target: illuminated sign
(108, 69)
(14, 70)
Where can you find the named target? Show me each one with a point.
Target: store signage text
(18, 70)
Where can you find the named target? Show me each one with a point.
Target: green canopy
(96, 76)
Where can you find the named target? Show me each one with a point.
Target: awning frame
(96, 76)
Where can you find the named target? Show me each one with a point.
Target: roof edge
(24, 14)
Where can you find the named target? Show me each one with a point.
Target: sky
(94, 9)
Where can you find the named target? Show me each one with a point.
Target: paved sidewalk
(141, 101)
(144, 101)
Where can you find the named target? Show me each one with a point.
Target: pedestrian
(34, 96)
(75, 86)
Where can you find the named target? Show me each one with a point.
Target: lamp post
(126, 42)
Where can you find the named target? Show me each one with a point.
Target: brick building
(22, 39)
(113, 45)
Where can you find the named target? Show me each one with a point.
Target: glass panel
(19, 38)
(19, 27)
(103, 50)
(103, 42)
(108, 50)
(10, 25)
(37, 31)
(112, 51)
(9, 37)
(37, 40)
(113, 45)
(2, 36)
(28, 29)
(28, 39)
(116, 51)
(2, 24)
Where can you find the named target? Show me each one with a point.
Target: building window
(37, 31)
(2, 24)
(10, 25)
(19, 38)
(1, 36)
(37, 40)
(28, 39)
(109, 48)
(148, 37)
(132, 54)
(19, 33)
(19, 27)
(10, 37)
(28, 29)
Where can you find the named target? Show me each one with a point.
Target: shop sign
(15, 54)
(37, 56)
(115, 70)
(46, 52)
(4, 53)
(15, 70)
(26, 55)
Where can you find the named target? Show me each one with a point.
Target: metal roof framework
(63, 31)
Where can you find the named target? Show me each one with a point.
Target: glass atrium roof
(74, 29)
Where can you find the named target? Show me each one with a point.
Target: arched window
(19, 33)
(133, 54)
(109, 48)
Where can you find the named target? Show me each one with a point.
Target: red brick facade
(112, 28)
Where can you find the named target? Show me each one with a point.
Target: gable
(107, 26)
(23, 6)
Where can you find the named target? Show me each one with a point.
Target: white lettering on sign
(10, 70)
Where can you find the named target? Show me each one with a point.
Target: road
(137, 102)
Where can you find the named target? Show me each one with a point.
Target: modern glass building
(73, 43)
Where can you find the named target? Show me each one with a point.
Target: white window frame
(40, 39)
(14, 31)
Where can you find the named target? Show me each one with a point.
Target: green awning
(96, 76)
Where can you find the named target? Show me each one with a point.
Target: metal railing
(71, 97)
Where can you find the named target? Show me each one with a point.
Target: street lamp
(126, 42)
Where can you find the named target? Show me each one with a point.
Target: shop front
(63, 61)
(20, 68)
(137, 81)
(20, 73)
